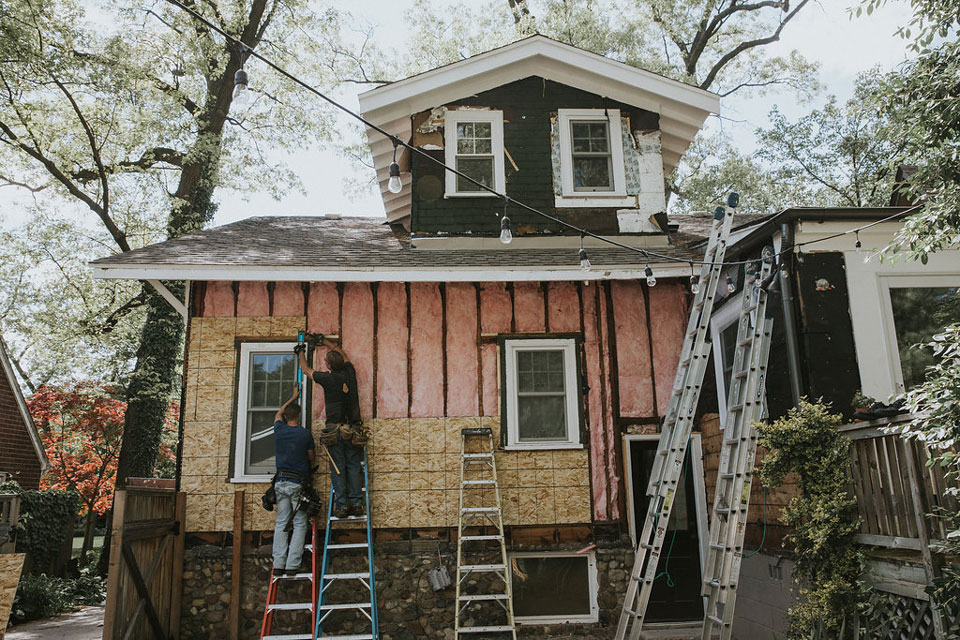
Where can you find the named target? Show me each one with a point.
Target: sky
(822, 32)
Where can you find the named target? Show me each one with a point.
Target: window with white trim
(268, 377)
(554, 588)
(591, 154)
(473, 143)
(542, 405)
(723, 332)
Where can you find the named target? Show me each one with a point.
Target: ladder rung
(731, 441)
(741, 374)
(487, 596)
(352, 545)
(299, 576)
(481, 567)
(504, 628)
(468, 538)
(348, 518)
(290, 636)
(745, 341)
(479, 510)
(726, 475)
(711, 582)
(469, 456)
(352, 636)
(714, 619)
(308, 547)
(290, 606)
(466, 482)
(477, 431)
(735, 407)
(717, 546)
(346, 576)
(341, 607)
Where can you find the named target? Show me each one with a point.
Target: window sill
(251, 479)
(547, 446)
(471, 194)
(618, 200)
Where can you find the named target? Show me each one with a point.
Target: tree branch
(10, 182)
(149, 158)
(750, 44)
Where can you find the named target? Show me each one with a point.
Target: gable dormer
(571, 133)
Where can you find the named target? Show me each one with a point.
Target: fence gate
(146, 564)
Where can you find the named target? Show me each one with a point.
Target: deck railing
(9, 514)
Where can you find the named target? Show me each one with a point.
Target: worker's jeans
(348, 483)
(284, 557)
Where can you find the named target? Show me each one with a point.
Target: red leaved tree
(80, 425)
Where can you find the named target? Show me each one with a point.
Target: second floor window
(474, 146)
(592, 163)
(592, 170)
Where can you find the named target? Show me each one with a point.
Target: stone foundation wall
(408, 608)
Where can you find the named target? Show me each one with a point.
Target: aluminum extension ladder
(675, 434)
(366, 579)
(737, 453)
(473, 514)
(272, 606)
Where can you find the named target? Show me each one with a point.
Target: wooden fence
(146, 564)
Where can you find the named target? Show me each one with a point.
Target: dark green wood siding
(527, 106)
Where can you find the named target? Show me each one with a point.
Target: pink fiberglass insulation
(426, 346)
(323, 309)
(253, 300)
(595, 431)
(288, 299)
(633, 349)
(218, 300)
(563, 307)
(392, 334)
(528, 306)
(491, 389)
(611, 435)
(357, 339)
(668, 315)
(462, 397)
(496, 312)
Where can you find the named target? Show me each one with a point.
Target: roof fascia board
(308, 274)
(24, 411)
(446, 83)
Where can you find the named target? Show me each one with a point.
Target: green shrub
(43, 596)
(44, 516)
(829, 563)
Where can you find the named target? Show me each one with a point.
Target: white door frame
(696, 456)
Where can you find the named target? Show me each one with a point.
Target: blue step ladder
(366, 578)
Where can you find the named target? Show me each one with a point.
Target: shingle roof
(360, 243)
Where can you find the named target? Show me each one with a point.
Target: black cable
(248, 52)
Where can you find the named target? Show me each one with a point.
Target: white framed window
(554, 587)
(591, 158)
(267, 378)
(542, 394)
(473, 144)
(915, 309)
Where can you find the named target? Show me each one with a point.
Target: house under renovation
(569, 366)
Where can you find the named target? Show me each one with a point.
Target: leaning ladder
(677, 425)
(272, 606)
(737, 453)
(367, 607)
(474, 515)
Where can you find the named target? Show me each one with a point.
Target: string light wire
(247, 52)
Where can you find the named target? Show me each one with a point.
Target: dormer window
(591, 158)
(473, 139)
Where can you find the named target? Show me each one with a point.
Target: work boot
(340, 512)
(356, 509)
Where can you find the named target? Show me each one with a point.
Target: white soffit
(682, 107)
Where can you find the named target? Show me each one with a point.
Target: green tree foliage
(46, 523)
(839, 155)
(806, 443)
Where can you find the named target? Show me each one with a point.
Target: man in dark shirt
(294, 450)
(336, 384)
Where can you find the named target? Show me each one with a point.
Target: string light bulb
(858, 245)
(584, 260)
(506, 235)
(731, 285)
(241, 93)
(394, 184)
(651, 279)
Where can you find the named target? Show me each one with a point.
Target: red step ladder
(273, 606)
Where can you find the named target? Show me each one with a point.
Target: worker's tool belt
(291, 475)
(329, 434)
(360, 437)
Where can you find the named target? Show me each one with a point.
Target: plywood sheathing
(10, 566)
(426, 359)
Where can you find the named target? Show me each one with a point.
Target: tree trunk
(88, 524)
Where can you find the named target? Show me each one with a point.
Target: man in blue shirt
(294, 450)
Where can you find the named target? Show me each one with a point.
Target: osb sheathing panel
(427, 367)
(10, 566)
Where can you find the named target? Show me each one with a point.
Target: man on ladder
(294, 448)
(342, 434)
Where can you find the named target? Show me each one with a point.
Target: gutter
(790, 320)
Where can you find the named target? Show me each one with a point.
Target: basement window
(267, 379)
(554, 588)
(542, 407)
(473, 142)
(591, 157)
